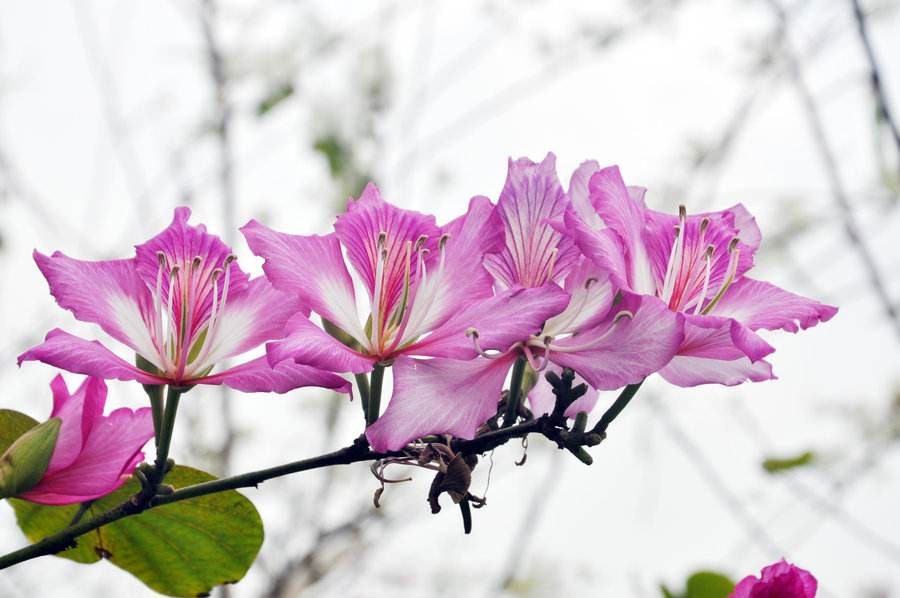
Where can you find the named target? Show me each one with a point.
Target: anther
(443, 241)
(163, 262)
(589, 283)
(733, 244)
(382, 239)
(704, 224)
(682, 213)
(710, 249)
(473, 334)
(195, 263)
(420, 242)
(216, 274)
(230, 258)
(622, 315)
(173, 272)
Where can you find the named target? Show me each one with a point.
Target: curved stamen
(377, 300)
(473, 334)
(532, 358)
(708, 271)
(733, 258)
(595, 341)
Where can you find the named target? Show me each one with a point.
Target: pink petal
(108, 293)
(101, 466)
(543, 400)
(758, 304)
(310, 345)
(439, 396)
(580, 194)
(602, 246)
(721, 230)
(592, 296)
(623, 352)
(622, 214)
(531, 200)
(258, 376)
(722, 338)
(693, 371)
(79, 413)
(311, 268)
(463, 279)
(65, 351)
(181, 243)
(359, 230)
(501, 321)
(257, 315)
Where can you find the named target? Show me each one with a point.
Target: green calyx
(25, 462)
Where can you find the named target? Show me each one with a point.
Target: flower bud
(25, 462)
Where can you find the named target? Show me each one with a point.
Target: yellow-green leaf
(180, 549)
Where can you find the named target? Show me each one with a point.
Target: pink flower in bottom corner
(779, 580)
(94, 453)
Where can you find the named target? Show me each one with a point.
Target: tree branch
(552, 426)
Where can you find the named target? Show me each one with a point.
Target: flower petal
(462, 279)
(181, 243)
(312, 268)
(580, 194)
(501, 321)
(108, 293)
(531, 200)
(543, 400)
(721, 338)
(602, 246)
(592, 296)
(258, 376)
(620, 212)
(78, 413)
(308, 344)
(616, 353)
(758, 304)
(65, 351)
(686, 371)
(258, 314)
(439, 396)
(359, 230)
(102, 465)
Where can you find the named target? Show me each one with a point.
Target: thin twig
(832, 172)
(875, 78)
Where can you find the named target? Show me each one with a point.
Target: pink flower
(610, 338)
(425, 287)
(94, 453)
(182, 304)
(693, 265)
(781, 580)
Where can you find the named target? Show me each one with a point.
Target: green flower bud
(25, 462)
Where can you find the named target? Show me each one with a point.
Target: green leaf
(778, 465)
(703, 584)
(180, 549)
(707, 584)
(12, 425)
(275, 97)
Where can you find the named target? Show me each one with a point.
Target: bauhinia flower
(779, 580)
(425, 287)
(610, 338)
(694, 265)
(182, 304)
(88, 454)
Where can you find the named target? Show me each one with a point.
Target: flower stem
(616, 408)
(375, 395)
(156, 407)
(362, 383)
(165, 432)
(515, 393)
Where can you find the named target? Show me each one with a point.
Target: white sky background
(104, 116)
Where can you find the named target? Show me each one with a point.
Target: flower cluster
(586, 278)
